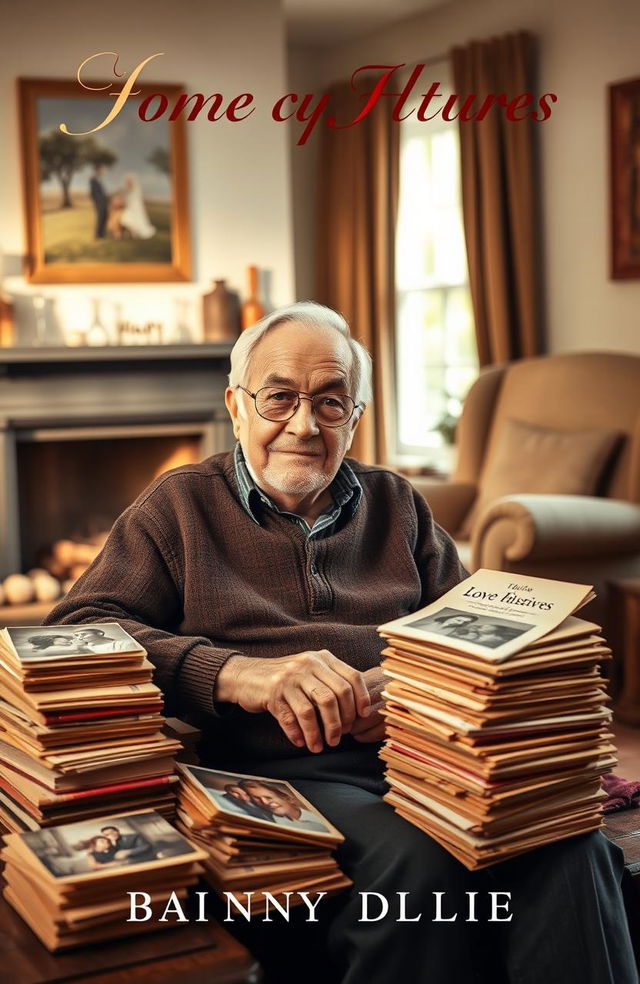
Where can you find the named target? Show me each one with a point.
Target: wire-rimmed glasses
(278, 404)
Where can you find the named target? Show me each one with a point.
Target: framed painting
(104, 207)
(624, 124)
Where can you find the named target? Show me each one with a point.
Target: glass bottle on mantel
(97, 333)
(220, 314)
(252, 309)
(7, 329)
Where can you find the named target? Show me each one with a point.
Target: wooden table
(624, 619)
(623, 828)
(198, 953)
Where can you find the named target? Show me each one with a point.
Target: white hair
(315, 316)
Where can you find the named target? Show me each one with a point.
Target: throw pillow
(527, 458)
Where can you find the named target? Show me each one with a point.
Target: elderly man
(256, 580)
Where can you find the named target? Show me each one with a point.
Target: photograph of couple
(482, 630)
(112, 848)
(97, 845)
(78, 640)
(107, 196)
(276, 803)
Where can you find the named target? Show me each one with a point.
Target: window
(436, 358)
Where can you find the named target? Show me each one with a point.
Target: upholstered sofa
(547, 480)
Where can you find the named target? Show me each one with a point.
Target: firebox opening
(73, 490)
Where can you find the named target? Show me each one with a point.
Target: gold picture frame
(104, 207)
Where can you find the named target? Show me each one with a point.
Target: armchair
(548, 475)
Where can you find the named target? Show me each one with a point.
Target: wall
(238, 173)
(305, 75)
(583, 46)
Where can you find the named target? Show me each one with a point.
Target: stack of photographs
(80, 727)
(70, 884)
(188, 736)
(496, 718)
(260, 835)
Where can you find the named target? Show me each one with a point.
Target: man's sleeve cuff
(197, 679)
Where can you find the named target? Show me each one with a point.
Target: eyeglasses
(329, 409)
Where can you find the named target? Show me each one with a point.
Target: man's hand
(371, 728)
(308, 693)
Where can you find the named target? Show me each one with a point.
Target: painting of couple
(121, 214)
(107, 205)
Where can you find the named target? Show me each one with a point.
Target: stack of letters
(80, 727)
(496, 717)
(261, 836)
(72, 884)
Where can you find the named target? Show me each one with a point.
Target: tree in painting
(61, 156)
(160, 159)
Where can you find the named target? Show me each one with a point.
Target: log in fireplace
(83, 431)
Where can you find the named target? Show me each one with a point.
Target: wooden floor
(627, 740)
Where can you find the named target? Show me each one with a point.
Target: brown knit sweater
(192, 577)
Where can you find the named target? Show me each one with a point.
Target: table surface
(624, 627)
(197, 953)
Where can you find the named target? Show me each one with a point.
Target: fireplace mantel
(14, 358)
(105, 393)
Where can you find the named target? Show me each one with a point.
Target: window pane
(414, 258)
(447, 244)
(459, 335)
(420, 338)
(436, 356)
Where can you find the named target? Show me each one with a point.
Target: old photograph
(34, 642)
(106, 843)
(482, 630)
(265, 800)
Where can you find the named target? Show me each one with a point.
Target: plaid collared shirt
(345, 489)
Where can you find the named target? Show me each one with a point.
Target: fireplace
(82, 432)
(74, 487)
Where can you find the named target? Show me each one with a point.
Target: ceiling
(327, 22)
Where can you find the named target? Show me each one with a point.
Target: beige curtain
(357, 205)
(500, 200)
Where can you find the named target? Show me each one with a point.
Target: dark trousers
(568, 923)
(101, 219)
